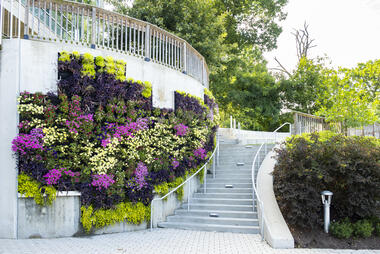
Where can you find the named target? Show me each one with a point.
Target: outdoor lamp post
(326, 201)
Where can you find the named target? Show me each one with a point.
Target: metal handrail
(260, 204)
(282, 125)
(97, 27)
(255, 193)
(215, 152)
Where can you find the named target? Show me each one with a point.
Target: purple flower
(105, 142)
(181, 129)
(175, 163)
(102, 181)
(24, 142)
(140, 173)
(75, 124)
(53, 176)
(200, 153)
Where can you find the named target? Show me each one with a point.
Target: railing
(215, 160)
(256, 162)
(72, 22)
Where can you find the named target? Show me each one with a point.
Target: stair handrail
(101, 28)
(214, 161)
(255, 193)
(260, 204)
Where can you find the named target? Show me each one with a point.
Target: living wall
(100, 135)
(310, 163)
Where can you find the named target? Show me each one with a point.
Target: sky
(347, 31)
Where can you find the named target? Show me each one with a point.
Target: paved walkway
(160, 241)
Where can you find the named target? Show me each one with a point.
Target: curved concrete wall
(27, 65)
(276, 231)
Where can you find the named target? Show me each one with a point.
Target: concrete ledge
(276, 231)
(61, 219)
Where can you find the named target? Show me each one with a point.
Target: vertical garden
(100, 135)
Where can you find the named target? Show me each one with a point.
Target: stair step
(221, 171)
(228, 180)
(211, 227)
(224, 195)
(238, 185)
(228, 176)
(213, 220)
(221, 213)
(226, 190)
(217, 207)
(229, 201)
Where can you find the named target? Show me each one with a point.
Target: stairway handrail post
(205, 178)
(188, 196)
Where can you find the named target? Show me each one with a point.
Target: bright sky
(347, 31)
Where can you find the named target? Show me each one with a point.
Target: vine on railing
(72, 22)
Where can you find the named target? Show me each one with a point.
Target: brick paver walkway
(160, 241)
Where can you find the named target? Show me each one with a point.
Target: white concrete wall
(39, 61)
(61, 219)
(254, 137)
(27, 65)
(9, 90)
(276, 231)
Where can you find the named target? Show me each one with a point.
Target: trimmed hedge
(310, 163)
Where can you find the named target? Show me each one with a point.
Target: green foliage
(43, 195)
(127, 211)
(311, 163)
(302, 90)
(377, 228)
(231, 35)
(347, 101)
(147, 92)
(342, 229)
(363, 228)
(64, 56)
(88, 67)
(209, 94)
(164, 188)
(258, 92)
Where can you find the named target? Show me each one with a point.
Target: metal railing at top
(77, 23)
(256, 165)
(214, 163)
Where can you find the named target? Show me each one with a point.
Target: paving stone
(161, 241)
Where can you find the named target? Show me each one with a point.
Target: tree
(257, 94)
(347, 101)
(303, 45)
(230, 34)
(302, 89)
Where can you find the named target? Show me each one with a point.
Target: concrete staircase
(227, 204)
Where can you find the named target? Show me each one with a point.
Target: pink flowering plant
(101, 136)
(181, 129)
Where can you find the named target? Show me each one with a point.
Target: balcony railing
(72, 22)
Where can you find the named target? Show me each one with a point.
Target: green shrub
(42, 195)
(377, 228)
(310, 163)
(363, 228)
(342, 229)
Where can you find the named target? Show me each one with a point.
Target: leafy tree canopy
(231, 35)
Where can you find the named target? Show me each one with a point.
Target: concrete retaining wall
(276, 231)
(27, 65)
(61, 219)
